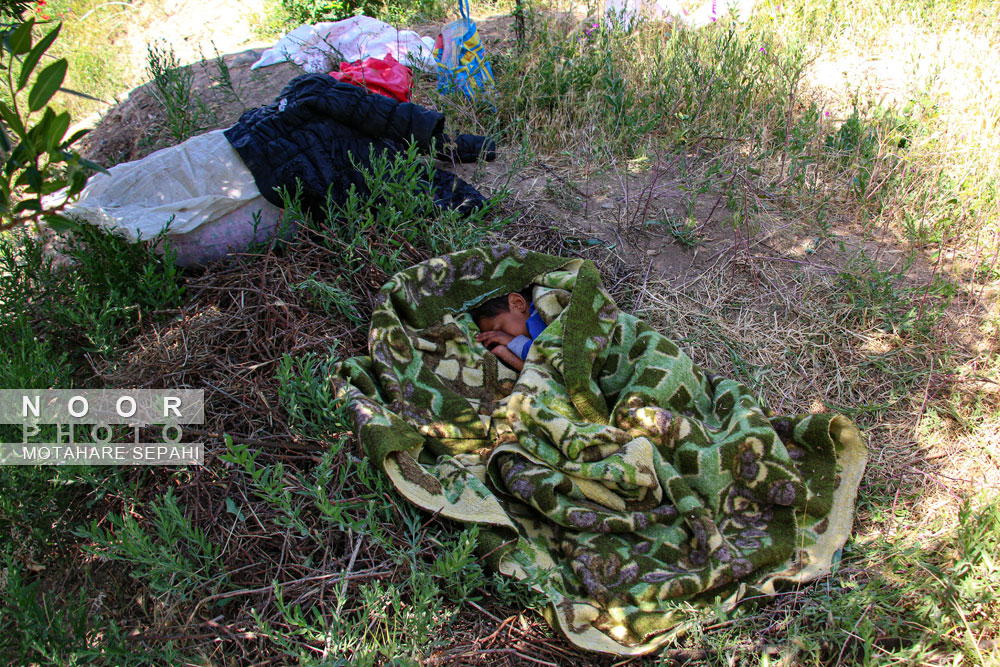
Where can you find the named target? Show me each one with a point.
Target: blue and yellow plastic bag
(461, 58)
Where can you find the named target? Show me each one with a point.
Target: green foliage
(99, 68)
(169, 554)
(864, 144)
(35, 508)
(54, 314)
(61, 627)
(308, 397)
(395, 620)
(40, 507)
(293, 13)
(224, 78)
(684, 231)
(393, 624)
(312, 11)
(38, 158)
(173, 89)
(391, 224)
(882, 299)
(331, 299)
(948, 588)
(894, 601)
(35, 628)
(51, 316)
(975, 568)
(625, 85)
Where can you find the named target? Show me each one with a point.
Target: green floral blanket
(613, 473)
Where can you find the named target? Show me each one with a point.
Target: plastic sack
(461, 58)
(200, 187)
(384, 76)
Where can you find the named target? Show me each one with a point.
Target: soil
(138, 126)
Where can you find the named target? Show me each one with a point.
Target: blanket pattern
(613, 474)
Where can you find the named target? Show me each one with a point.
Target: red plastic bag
(384, 76)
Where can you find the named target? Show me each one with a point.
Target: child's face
(513, 322)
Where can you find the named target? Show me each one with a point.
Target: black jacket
(308, 133)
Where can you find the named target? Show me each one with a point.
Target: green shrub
(292, 13)
(53, 314)
(396, 221)
(37, 156)
(165, 551)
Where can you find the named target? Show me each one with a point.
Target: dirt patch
(138, 126)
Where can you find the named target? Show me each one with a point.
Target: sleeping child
(509, 324)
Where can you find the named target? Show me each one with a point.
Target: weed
(62, 627)
(882, 297)
(394, 222)
(169, 554)
(224, 78)
(86, 306)
(172, 88)
(685, 231)
(308, 397)
(331, 299)
(619, 87)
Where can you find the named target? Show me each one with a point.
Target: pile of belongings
(218, 192)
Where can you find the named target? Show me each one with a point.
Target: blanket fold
(613, 474)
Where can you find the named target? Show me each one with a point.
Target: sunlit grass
(90, 40)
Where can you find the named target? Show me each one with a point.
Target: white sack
(313, 46)
(202, 184)
(194, 182)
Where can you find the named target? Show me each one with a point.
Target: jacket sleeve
(520, 346)
(313, 96)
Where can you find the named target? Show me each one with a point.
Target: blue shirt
(536, 325)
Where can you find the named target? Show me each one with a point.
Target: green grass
(57, 319)
(97, 71)
(87, 303)
(606, 91)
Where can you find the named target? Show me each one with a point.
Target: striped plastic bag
(461, 58)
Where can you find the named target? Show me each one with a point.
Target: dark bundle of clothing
(310, 132)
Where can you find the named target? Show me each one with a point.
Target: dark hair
(497, 305)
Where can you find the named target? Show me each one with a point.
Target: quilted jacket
(308, 134)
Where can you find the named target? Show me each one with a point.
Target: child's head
(507, 313)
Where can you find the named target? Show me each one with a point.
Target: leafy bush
(166, 551)
(55, 314)
(173, 89)
(37, 156)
